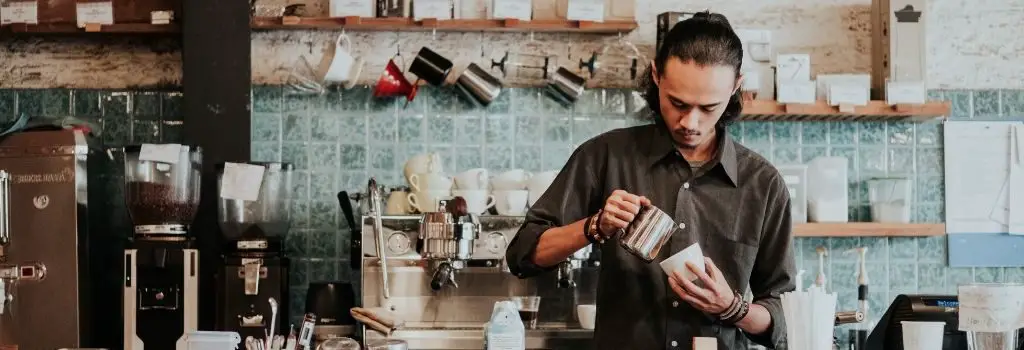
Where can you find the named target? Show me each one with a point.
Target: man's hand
(714, 298)
(619, 210)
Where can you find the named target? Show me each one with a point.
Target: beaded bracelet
(587, 230)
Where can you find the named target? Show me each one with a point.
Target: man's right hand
(619, 210)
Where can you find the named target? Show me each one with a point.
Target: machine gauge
(398, 243)
(496, 243)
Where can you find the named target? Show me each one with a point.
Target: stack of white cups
(425, 174)
(510, 193)
(472, 185)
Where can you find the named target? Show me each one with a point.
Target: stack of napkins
(810, 318)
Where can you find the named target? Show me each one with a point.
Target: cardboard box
(898, 43)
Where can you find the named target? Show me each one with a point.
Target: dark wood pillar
(216, 79)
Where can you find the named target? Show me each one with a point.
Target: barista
(733, 202)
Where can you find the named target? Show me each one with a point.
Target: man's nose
(690, 120)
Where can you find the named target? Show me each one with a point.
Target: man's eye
(707, 109)
(680, 105)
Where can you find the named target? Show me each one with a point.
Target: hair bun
(711, 17)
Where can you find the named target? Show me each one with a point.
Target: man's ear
(739, 83)
(654, 74)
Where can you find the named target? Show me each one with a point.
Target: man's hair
(706, 39)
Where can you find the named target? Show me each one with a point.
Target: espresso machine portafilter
(447, 238)
(566, 269)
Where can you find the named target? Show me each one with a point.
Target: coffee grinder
(161, 276)
(255, 267)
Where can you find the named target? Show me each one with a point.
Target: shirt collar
(661, 145)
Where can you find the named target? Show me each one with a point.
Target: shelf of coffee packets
(765, 110)
(868, 229)
(72, 28)
(448, 25)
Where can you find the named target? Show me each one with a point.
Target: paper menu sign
(585, 10)
(358, 8)
(241, 181)
(164, 153)
(436, 9)
(991, 307)
(19, 12)
(848, 94)
(512, 9)
(94, 13)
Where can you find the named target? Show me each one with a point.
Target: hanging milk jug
(505, 331)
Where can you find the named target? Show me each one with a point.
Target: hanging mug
(343, 67)
(431, 67)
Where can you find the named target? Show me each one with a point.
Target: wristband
(587, 230)
(594, 228)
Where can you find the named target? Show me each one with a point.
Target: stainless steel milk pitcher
(648, 233)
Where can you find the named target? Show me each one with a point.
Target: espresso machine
(254, 268)
(59, 263)
(429, 269)
(161, 275)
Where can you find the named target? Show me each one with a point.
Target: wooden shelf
(760, 110)
(72, 28)
(453, 25)
(868, 229)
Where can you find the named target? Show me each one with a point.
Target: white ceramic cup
(677, 262)
(511, 180)
(920, 335)
(538, 184)
(587, 315)
(343, 67)
(477, 201)
(430, 182)
(427, 201)
(473, 179)
(423, 163)
(397, 203)
(511, 203)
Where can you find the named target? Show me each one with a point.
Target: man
(730, 200)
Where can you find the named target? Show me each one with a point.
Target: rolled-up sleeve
(774, 270)
(569, 199)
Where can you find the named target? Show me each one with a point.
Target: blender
(255, 268)
(161, 262)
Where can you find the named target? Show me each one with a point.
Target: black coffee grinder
(255, 268)
(161, 275)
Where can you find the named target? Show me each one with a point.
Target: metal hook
(433, 34)
(398, 44)
(343, 31)
(532, 38)
(482, 53)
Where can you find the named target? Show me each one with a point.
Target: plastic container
(827, 190)
(919, 335)
(266, 217)
(890, 200)
(204, 340)
(587, 315)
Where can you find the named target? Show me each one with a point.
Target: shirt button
(675, 304)
(686, 185)
(674, 344)
(682, 226)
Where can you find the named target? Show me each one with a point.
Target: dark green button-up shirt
(736, 206)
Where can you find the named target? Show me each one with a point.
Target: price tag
(991, 308)
(164, 153)
(512, 9)
(436, 9)
(346, 8)
(801, 92)
(852, 95)
(905, 92)
(585, 10)
(19, 12)
(94, 13)
(241, 181)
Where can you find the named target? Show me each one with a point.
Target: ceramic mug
(423, 163)
(427, 201)
(343, 67)
(511, 202)
(511, 180)
(474, 179)
(477, 201)
(397, 204)
(538, 184)
(430, 182)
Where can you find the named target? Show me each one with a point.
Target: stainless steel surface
(648, 233)
(376, 210)
(848, 317)
(387, 344)
(566, 270)
(51, 221)
(453, 318)
(556, 337)
(565, 86)
(478, 85)
(5, 212)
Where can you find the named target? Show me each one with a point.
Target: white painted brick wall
(973, 44)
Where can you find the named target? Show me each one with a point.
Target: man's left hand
(714, 298)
